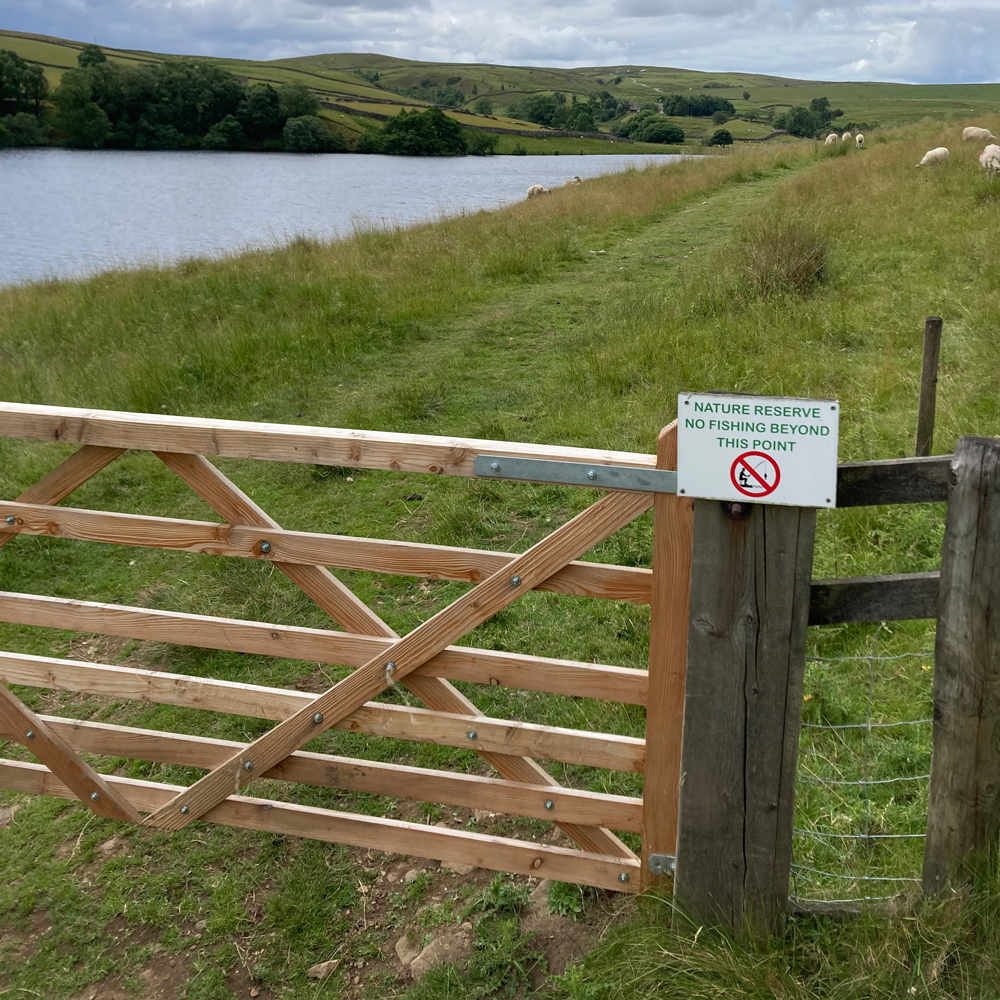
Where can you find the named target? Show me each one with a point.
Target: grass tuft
(776, 256)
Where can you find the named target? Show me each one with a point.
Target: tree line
(191, 104)
(555, 111)
(176, 104)
(808, 122)
(426, 133)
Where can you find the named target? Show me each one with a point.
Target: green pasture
(574, 147)
(573, 319)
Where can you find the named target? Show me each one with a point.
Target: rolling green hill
(364, 83)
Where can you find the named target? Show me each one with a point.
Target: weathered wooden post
(964, 810)
(673, 527)
(928, 386)
(750, 580)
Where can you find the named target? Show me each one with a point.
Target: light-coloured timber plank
(673, 536)
(418, 725)
(394, 836)
(58, 483)
(52, 750)
(242, 539)
(282, 442)
(470, 610)
(464, 663)
(346, 609)
(469, 791)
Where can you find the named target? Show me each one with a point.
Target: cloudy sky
(918, 41)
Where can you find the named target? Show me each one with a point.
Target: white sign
(759, 449)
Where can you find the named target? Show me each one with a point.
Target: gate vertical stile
(673, 530)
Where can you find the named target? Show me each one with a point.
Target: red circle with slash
(755, 474)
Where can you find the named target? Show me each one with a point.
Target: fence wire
(864, 769)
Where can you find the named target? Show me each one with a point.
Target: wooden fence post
(673, 528)
(964, 809)
(746, 654)
(928, 386)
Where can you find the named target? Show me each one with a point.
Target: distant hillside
(365, 83)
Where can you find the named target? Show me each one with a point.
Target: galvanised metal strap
(604, 477)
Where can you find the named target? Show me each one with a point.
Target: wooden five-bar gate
(731, 597)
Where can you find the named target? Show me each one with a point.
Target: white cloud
(923, 41)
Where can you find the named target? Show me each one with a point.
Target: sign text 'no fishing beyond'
(759, 449)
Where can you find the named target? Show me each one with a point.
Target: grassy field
(507, 325)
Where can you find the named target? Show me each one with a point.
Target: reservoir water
(67, 213)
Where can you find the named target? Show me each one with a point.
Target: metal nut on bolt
(10, 518)
(94, 796)
(495, 466)
(515, 581)
(549, 804)
(318, 718)
(472, 734)
(185, 810)
(248, 765)
(623, 877)
(591, 474)
(30, 734)
(265, 547)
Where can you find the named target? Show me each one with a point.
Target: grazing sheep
(536, 189)
(932, 156)
(831, 139)
(859, 141)
(990, 159)
(846, 137)
(979, 134)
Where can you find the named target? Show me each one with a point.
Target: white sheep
(938, 155)
(571, 182)
(990, 160)
(831, 139)
(859, 141)
(846, 137)
(536, 189)
(979, 134)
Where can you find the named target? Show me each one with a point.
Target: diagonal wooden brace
(57, 484)
(448, 625)
(62, 760)
(344, 607)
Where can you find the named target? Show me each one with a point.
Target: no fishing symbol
(755, 474)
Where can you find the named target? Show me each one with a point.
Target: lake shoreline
(76, 213)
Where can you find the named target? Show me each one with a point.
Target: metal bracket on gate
(604, 477)
(662, 864)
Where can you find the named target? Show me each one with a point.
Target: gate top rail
(892, 481)
(283, 442)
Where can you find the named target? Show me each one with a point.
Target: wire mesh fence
(863, 775)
